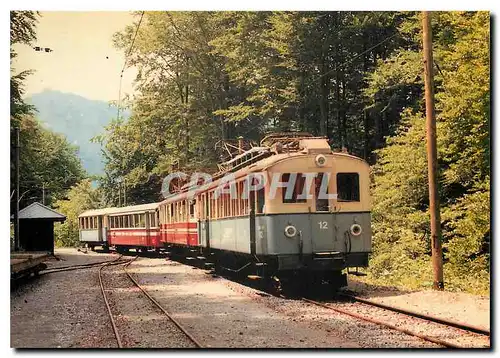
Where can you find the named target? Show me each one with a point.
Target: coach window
(211, 213)
(347, 186)
(192, 203)
(297, 189)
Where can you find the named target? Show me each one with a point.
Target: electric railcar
(275, 232)
(270, 233)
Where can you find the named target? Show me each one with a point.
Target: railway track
(446, 322)
(146, 294)
(414, 315)
(115, 261)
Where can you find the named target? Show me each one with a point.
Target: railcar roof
(259, 166)
(125, 209)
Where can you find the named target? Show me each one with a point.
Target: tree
(401, 223)
(80, 197)
(47, 161)
(22, 31)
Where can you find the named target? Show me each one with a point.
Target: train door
(323, 224)
(100, 236)
(105, 229)
(204, 227)
(147, 224)
(253, 243)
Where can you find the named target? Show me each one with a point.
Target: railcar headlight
(290, 231)
(356, 229)
(320, 160)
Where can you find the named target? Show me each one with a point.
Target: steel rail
(196, 343)
(431, 318)
(77, 267)
(110, 314)
(381, 323)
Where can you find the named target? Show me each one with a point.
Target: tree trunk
(323, 104)
(366, 147)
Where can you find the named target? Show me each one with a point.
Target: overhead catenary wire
(125, 65)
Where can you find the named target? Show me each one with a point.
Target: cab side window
(347, 187)
(297, 189)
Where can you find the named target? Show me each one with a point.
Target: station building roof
(40, 211)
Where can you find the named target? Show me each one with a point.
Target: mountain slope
(79, 119)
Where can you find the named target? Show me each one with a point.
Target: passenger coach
(131, 227)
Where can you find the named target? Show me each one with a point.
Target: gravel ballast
(140, 323)
(63, 309)
(66, 309)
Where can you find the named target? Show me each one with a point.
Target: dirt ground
(461, 307)
(66, 310)
(61, 310)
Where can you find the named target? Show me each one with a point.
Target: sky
(83, 61)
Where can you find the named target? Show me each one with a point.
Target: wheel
(92, 248)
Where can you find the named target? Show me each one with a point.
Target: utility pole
(16, 183)
(43, 193)
(437, 253)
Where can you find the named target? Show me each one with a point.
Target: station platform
(25, 263)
